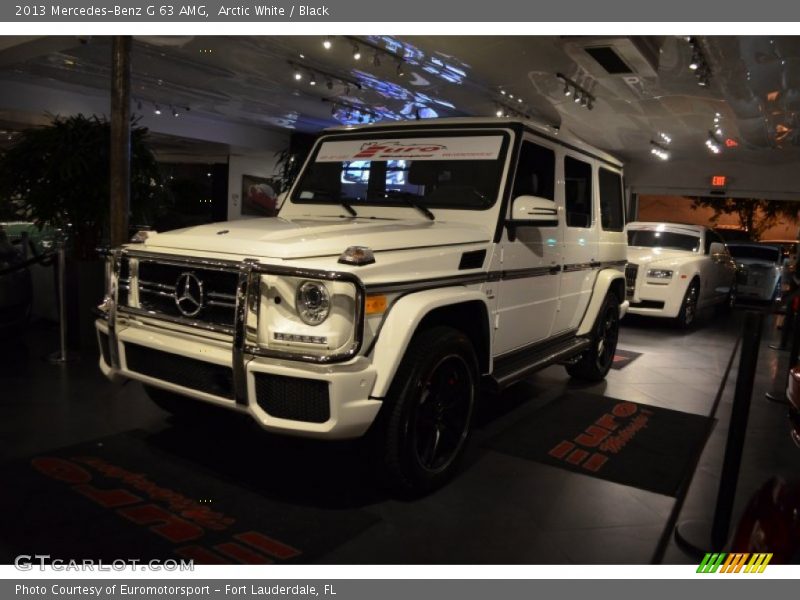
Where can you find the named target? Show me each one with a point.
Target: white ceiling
(755, 84)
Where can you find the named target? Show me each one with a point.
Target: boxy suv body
(410, 266)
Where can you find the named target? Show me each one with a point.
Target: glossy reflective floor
(500, 509)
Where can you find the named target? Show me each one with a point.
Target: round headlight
(313, 302)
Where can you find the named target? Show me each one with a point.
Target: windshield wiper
(407, 197)
(348, 208)
(338, 198)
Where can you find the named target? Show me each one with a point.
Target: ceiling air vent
(607, 57)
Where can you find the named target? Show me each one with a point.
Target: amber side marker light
(375, 304)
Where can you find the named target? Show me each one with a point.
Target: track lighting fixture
(698, 63)
(156, 110)
(326, 43)
(356, 52)
(316, 75)
(659, 150)
(582, 96)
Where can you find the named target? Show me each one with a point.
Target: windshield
(663, 239)
(459, 171)
(764, 253)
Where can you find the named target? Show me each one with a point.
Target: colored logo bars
(734, 563)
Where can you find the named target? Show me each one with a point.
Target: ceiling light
(356, 52)
(313, 80)
(519, 100)
(327, 43)
(298, 75)
(499, 112)
(401, 71)
(175, 113)
(503, 92)
(511, 95)
(567, 90)
(577, 98)
(157, 111)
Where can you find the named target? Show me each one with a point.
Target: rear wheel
(423, 432)
(688, 313)
(595, 362)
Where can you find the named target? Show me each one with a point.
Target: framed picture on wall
(259, 196)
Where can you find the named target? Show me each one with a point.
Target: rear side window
(578, 192)
(611, 206)
(535, 172)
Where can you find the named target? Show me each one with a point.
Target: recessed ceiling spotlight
(326, 43)
(503, 92)
(156, 110)
(499, 112)
(519, 100)
(298, 75)
(356, 52)
(567, 90)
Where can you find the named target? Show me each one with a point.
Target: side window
(535, 172)
(611, 209)
(578, 192)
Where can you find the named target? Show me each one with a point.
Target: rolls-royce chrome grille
(187, 292)
(631, 271)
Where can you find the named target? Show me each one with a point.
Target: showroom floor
(81, 456)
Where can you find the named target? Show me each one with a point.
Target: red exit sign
(718, 181)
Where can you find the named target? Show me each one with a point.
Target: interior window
(578, 192)
(535, 172)
(611, 209)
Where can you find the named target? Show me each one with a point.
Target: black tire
(426, 420)
(595, 362)
(687, 316)
(181, 407)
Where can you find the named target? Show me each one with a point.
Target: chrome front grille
(192, 292)
(631, 271)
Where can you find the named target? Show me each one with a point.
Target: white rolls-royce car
(675, 270)
(760, 267)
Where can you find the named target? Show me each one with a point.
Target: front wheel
(595, 362)
(688, 313)
(428, 411)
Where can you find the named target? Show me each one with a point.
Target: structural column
(120, 167)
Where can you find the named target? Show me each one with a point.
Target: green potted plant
(58, 177)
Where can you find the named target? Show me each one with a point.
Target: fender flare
(401, 324)
(601, 287)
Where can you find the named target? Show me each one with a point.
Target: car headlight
(659, 273)
(313, 302)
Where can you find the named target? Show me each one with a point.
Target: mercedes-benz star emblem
(189, 294)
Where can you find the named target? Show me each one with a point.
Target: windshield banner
(480, 147)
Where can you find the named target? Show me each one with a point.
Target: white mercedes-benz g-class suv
(410, 266)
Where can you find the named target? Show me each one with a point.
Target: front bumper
(323, 401)
(759, 293)
(657, 299)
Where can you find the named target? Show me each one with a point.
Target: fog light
(303, 339)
